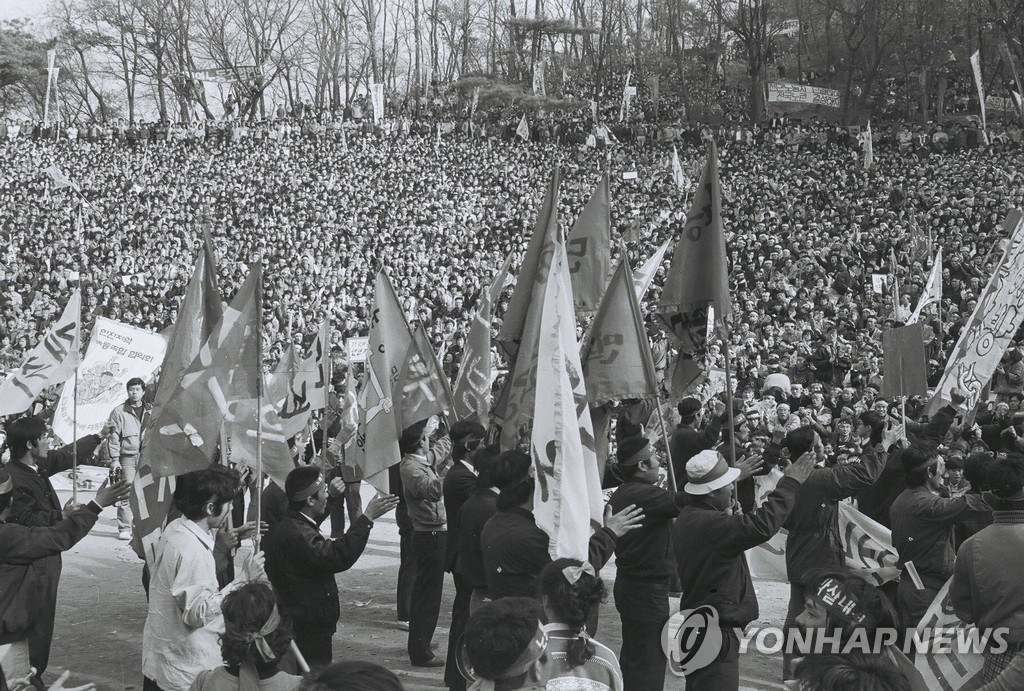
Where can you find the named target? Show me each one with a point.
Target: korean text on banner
(798, 93)
(950, 669)
(117, 352)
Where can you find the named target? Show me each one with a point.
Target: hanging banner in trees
(538, 78)
(999, 103)
(798, 93)
(377, 96)
(229, 75)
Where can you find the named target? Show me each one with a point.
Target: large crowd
(325, 203)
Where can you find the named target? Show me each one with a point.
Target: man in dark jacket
(644, 565)
(710, 543)
(690, 437)
(34, 503)
(474, 514)
(515, 549)
(301, 562)
(466, 436)
(25, 553)
(814, 541)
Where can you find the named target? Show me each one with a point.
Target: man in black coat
(710, 544)
(34, 503)
(301, 562)
(690, 437)
(466, 436)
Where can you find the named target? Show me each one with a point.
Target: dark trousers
(643, 609)
(406, 573)
(428, 548)
(314, 644)
(44, 610)
(150, 685)
(460, 615)
(724, 673)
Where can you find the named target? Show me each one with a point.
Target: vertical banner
(476, 101)
(51, 57)
(951, 668)
(377, 97)
(905, 372)
(117, 352)
(976, 69)
(624, 108)
(538, 78)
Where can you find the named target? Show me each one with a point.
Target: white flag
(869, 148)
(567, 499)
(643, 278)
(678, 176)
(524, 129)
(51, 362)
(976, 69)
(932, 289)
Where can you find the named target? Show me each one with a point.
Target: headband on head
(573, 573)
(248, 676)
(927, 464)
(839, 601)
(308, 491)
(534, 651)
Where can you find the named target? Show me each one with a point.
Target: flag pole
(328, 369)
(668, 447)
(728, 389)
(258, 499)
(74, 399)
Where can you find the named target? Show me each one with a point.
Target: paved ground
(102, 609)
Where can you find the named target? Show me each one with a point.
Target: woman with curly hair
(570, 591)
(254, 641)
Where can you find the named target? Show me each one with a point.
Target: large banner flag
(678, 175)
(472, 392)
(990, 329)
(698, 277)
(976, 70)
(779, 92)
(521, 327)
(422, 388)
(376, 439)
(869, 147)
(932, 294)
(377, 100)
(523, 130)
(186, 431)
(117, 352)
(589, 248)
(51, 362)
(240, 433)
(643, 278)
(567, 503)
(952, 668)
(499, 281)
(616, 356)
(301, 388)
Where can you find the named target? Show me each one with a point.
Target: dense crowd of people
(824, 255)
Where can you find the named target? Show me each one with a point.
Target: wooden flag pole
(258, 498)
(728, 389)
(74, 400)
(668, 447)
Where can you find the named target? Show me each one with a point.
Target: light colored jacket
(126, 437)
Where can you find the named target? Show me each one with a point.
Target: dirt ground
(102, 609)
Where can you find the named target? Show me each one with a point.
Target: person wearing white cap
(714, 571)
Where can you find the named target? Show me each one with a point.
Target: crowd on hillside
(824, 255)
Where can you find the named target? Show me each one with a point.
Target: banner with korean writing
(999, 103)
(992, 326)
(51, 362)
(951, 668)
(799, 93)
(117, 352)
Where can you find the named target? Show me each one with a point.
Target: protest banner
(999, 103)
(117, 352)
(798, 93)
(952, 668)
(356, 347)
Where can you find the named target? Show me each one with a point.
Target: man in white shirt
(184, 619)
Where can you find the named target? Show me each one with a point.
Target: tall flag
(976, 70)
(186, 431)
(991, 327)
(523, 130)
(643, 278)
(698, 277)
(60, 180)
(302, 388)
(376, 439)
(51, 362)
(628, 92)
(51, 73)
(678, 175)
(616, 356)
(589, 248)
(422, 388)
(200, 312)
(538, 78)
(869, 148)
(932, 294)
(567, 502)
(521, 327)
(472, 392)
(498, 284)
(894, 296)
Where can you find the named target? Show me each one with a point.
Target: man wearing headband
(34, 503)
(504, 645)
(23, 549)
(301, 562)
(643, 560)
(922, 529)
(690, 438)
(710, 543)
(466, 436)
